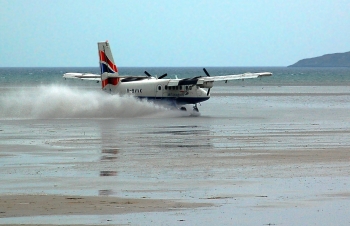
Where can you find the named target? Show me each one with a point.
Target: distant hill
(328, 60)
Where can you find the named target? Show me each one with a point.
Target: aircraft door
(159, 91)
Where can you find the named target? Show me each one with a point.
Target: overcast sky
(43, 33)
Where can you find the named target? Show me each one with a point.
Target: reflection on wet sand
(108, 173)
(182, 136)
(109, 154)
(107, 192)
(180, 130)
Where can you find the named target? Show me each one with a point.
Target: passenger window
(159, 87)
(166, 87)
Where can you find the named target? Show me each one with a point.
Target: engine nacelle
(203, 84)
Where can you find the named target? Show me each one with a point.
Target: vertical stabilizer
(109, 71)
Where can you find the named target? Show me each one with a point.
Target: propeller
(208, 92)
(148, 74)
(206, 72)
(163, 76)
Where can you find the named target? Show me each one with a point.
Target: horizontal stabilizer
(84, 76)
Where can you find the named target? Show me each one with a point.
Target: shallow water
(262, 155)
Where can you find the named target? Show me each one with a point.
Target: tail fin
(109, 71)
(106, 58)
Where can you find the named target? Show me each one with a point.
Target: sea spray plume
(66, 102)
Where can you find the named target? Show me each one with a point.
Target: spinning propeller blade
(148, 74)
(163, 76)
(206, 72)
(208, 92)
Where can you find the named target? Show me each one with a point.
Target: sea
(282, 76)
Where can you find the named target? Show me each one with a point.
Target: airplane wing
(207, 82)
(234, 77)
(83, 76)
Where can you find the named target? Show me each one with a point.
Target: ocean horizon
(282, 76)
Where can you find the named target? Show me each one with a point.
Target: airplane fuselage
(159, 90)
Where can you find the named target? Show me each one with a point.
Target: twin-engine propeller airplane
(178, 92)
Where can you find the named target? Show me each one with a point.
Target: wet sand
(34, 205)
(256, 156)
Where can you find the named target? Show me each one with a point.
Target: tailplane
(109, 71)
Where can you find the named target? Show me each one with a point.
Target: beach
(257, 155)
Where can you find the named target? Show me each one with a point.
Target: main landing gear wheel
(188, 112)
(195, 108)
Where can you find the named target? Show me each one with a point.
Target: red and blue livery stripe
(106, 64)
(110, 80)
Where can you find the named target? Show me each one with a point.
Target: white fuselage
(159, 89)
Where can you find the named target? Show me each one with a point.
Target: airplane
(177, 92)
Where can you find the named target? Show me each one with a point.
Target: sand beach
(257, 155)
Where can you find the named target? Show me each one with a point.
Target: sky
(171, 33)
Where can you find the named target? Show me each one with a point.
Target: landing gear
(188, 112)
(195, 108)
